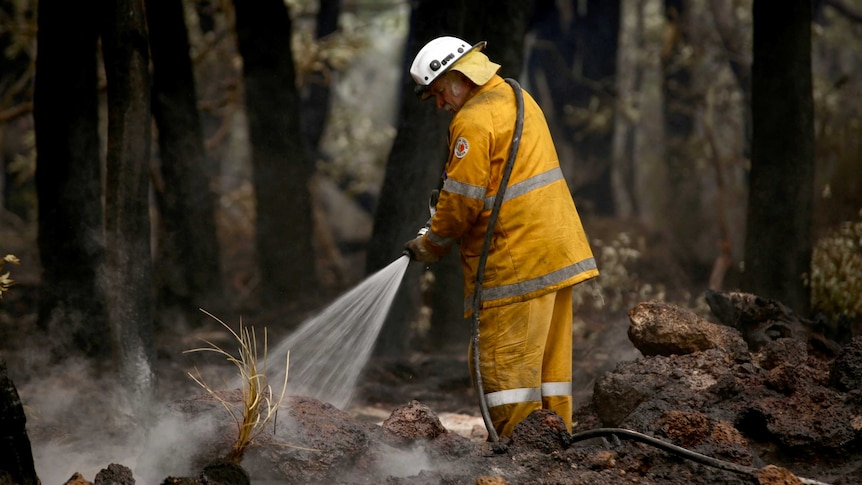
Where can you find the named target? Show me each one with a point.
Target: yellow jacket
(539, 245)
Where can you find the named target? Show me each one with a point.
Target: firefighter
(538, 249)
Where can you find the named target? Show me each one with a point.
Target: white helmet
(436, 58)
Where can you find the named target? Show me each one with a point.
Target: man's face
(450, 91)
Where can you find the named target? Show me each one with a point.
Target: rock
(773, 475)
(410, 423)
(225, 474)
(783, 379)
(182, 481)
(310, 442)
(491, 481)
(77, 479)
(845, 372)
(618, 393)
(543, 430)
(788, 407)
(115, 475)
(784, 359)
(811, 418)
(784, 351)
(450, 446)
(314, 443)
(659, 328)
(696, 431)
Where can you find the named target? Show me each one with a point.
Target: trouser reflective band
(513, 396)
(556, 389)
(528, 394)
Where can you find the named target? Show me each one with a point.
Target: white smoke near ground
(171, 444)
(74, 427)
(404, 462)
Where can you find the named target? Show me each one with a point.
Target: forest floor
(72, 429)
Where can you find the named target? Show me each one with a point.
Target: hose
(677, 450)
(483, 258)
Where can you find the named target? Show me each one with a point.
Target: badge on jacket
(461, 147)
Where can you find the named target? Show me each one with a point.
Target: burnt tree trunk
(127, 223)
(69, 180)
(413, 170)
(16, 456)
(781, 193)
(188, 272)
(282, 168)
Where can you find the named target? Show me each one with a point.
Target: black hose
(677, 450)
(483, 258)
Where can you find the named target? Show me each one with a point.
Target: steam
(404, 462)
(74, 426)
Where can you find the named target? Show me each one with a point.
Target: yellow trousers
(526, 359)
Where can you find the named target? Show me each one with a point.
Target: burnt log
(16, 456)
(762, 320)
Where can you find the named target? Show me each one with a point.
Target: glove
(419, 252)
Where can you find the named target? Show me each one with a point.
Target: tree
(97, 264)
(778, 229)
(282, 167)
(69, 180)
(127, 224)
(188, 272)
(639, 177)
(572, 73)
(412, 171)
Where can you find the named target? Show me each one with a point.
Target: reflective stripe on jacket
(539, 245)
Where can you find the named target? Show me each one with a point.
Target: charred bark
(16, 456)
(778, 230)
(413, 170)
(69, 180)
(282, 168)
(188, 274)
(762, 320)
(127, 223)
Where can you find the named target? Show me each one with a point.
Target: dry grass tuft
(259, 405)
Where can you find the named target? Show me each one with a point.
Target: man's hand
(419, 252)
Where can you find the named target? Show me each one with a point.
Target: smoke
(76, 424)
(172, 446)
(397, 462)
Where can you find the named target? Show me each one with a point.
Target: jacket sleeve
(465, 180)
